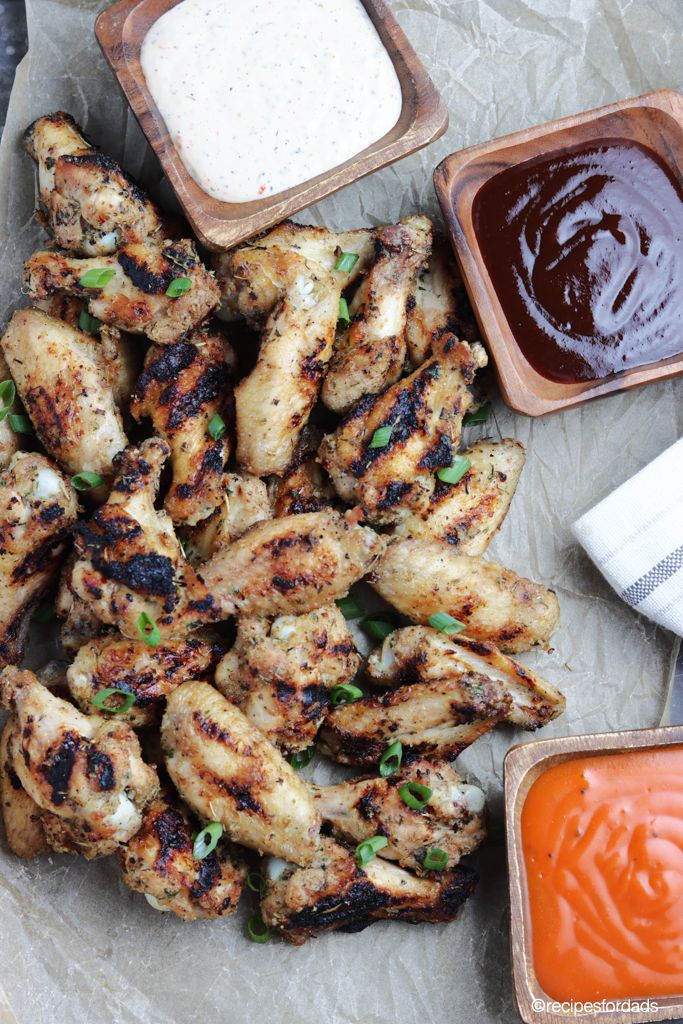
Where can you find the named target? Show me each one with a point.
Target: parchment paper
(76, 946)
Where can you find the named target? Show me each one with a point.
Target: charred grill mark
(142, 276)
(394, 494)
(173, 834)
(284, 692)
(353, 909)
(49, 514)
(39, 561)
(440, 454)
(244, 801)
(290, 583)
(365, 805)
(213, 382)
(167, 365)
(208, 875)
(12, 776)
(98, 161)
(149, 573)
(58, 770)
(315, 700)
(101, 767)
(129, 480)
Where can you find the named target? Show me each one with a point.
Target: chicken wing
(280, 674)
(422, 576)
(245, 503)
(369, 355)
(9, 441)
(136, 297)
(453, 818)
(227, 771)
(21, 814)
(38, 508)
(302, 487)
(81, 624)
(467, 514)
(424, 415)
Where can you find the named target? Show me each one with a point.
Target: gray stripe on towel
(659, 574)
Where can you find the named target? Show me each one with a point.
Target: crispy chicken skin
(293, 565)
(129, 560)
(422, 576)
(21, 814)
(9, 441)
(160, 863)
(302, 487)
(38, 509)
(425, 413)
(135, 298)
(245, 503)
(280, 674)
(81, 624)
(182, 388)
(369, 355)
(467, 514)
(227, 771)
(453, 820)
(150, 673)
(84, 769)
(61, 376)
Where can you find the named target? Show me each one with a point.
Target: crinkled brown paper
(77, 946)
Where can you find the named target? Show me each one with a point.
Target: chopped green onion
(20, 424)
(216, 427)
(45, 612)
(257, 930)
(300, 758)
(451, 474)
(259, 885)
(97, 277)
(207, 840)
(85, 481)
(345, 693)
(480, 416)
(367, 851)
(381, 437)
(343, 320)
(179, 286)
(378, 629)
(445, 623)
(346, 262)
(99, 699)
(350, 607)
(390, 761)
(148, 629)
(436, 860)
(89, 323)
(414, 795)
(8, 393)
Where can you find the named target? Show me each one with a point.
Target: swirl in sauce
(585, 251)
(602, 839)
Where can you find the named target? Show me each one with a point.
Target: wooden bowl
(523, 765)
(120, 31)
(655, 120)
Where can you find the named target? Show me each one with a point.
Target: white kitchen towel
(635, 537)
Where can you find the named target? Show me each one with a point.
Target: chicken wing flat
(21, 814)
(293, 565)
(452, 820)
(369, 355)
(302, 487)
(227, 771)
(424, 414)
(38, 509)
(135, 298)
(61, 376)
(468, 514)
(182, 388)
(245, 503)
(9, 440)
(422, 576)
(280, 674)
(92, 206)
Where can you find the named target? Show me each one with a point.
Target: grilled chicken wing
(227, 771)
(292, 565)
(245, 503)
(135, 298)
(9, 441)
(423, 576)
(280, 674)
(38, 508)
(81, 624)
(21, 814)
(83, 769)
(302, 487)
(148, 673)
(159, 861)
(452, 820)
(467, 514)
(369, 355)
(424, 413)
(183, 387)
(61, 376)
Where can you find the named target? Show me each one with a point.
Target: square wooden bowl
(120, 31)
(523, 765)
(656, 121)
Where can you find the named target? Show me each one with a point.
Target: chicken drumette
(245, 503)
(302, 487)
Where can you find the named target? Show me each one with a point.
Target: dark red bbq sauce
(584, 248)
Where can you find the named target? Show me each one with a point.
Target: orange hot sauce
(602, 839)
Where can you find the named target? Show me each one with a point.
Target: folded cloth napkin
(635, 537)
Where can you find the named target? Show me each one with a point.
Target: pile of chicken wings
(197, 503)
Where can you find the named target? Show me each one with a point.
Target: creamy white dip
(261, 95)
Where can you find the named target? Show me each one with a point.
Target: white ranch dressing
(261, 95)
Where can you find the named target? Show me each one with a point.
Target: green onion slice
(89, 323)
(480, 416)
(8, 393)
(207, 840)
(257, 930)
(343, 320)
(346, 262)
(378, 629)
(45, 612)
(351, 607)
(85, 481)
(414, 795)
(97, 277)
(99, 699)
(445, 623)
(367, 851)
(436, 860)
(216, 427)
(300, 758)
(381, 437)
(148, 629)
(20, 424)
(451, 474)
(345, 693)
(179, 286)
(256, 883)
(390, 761)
